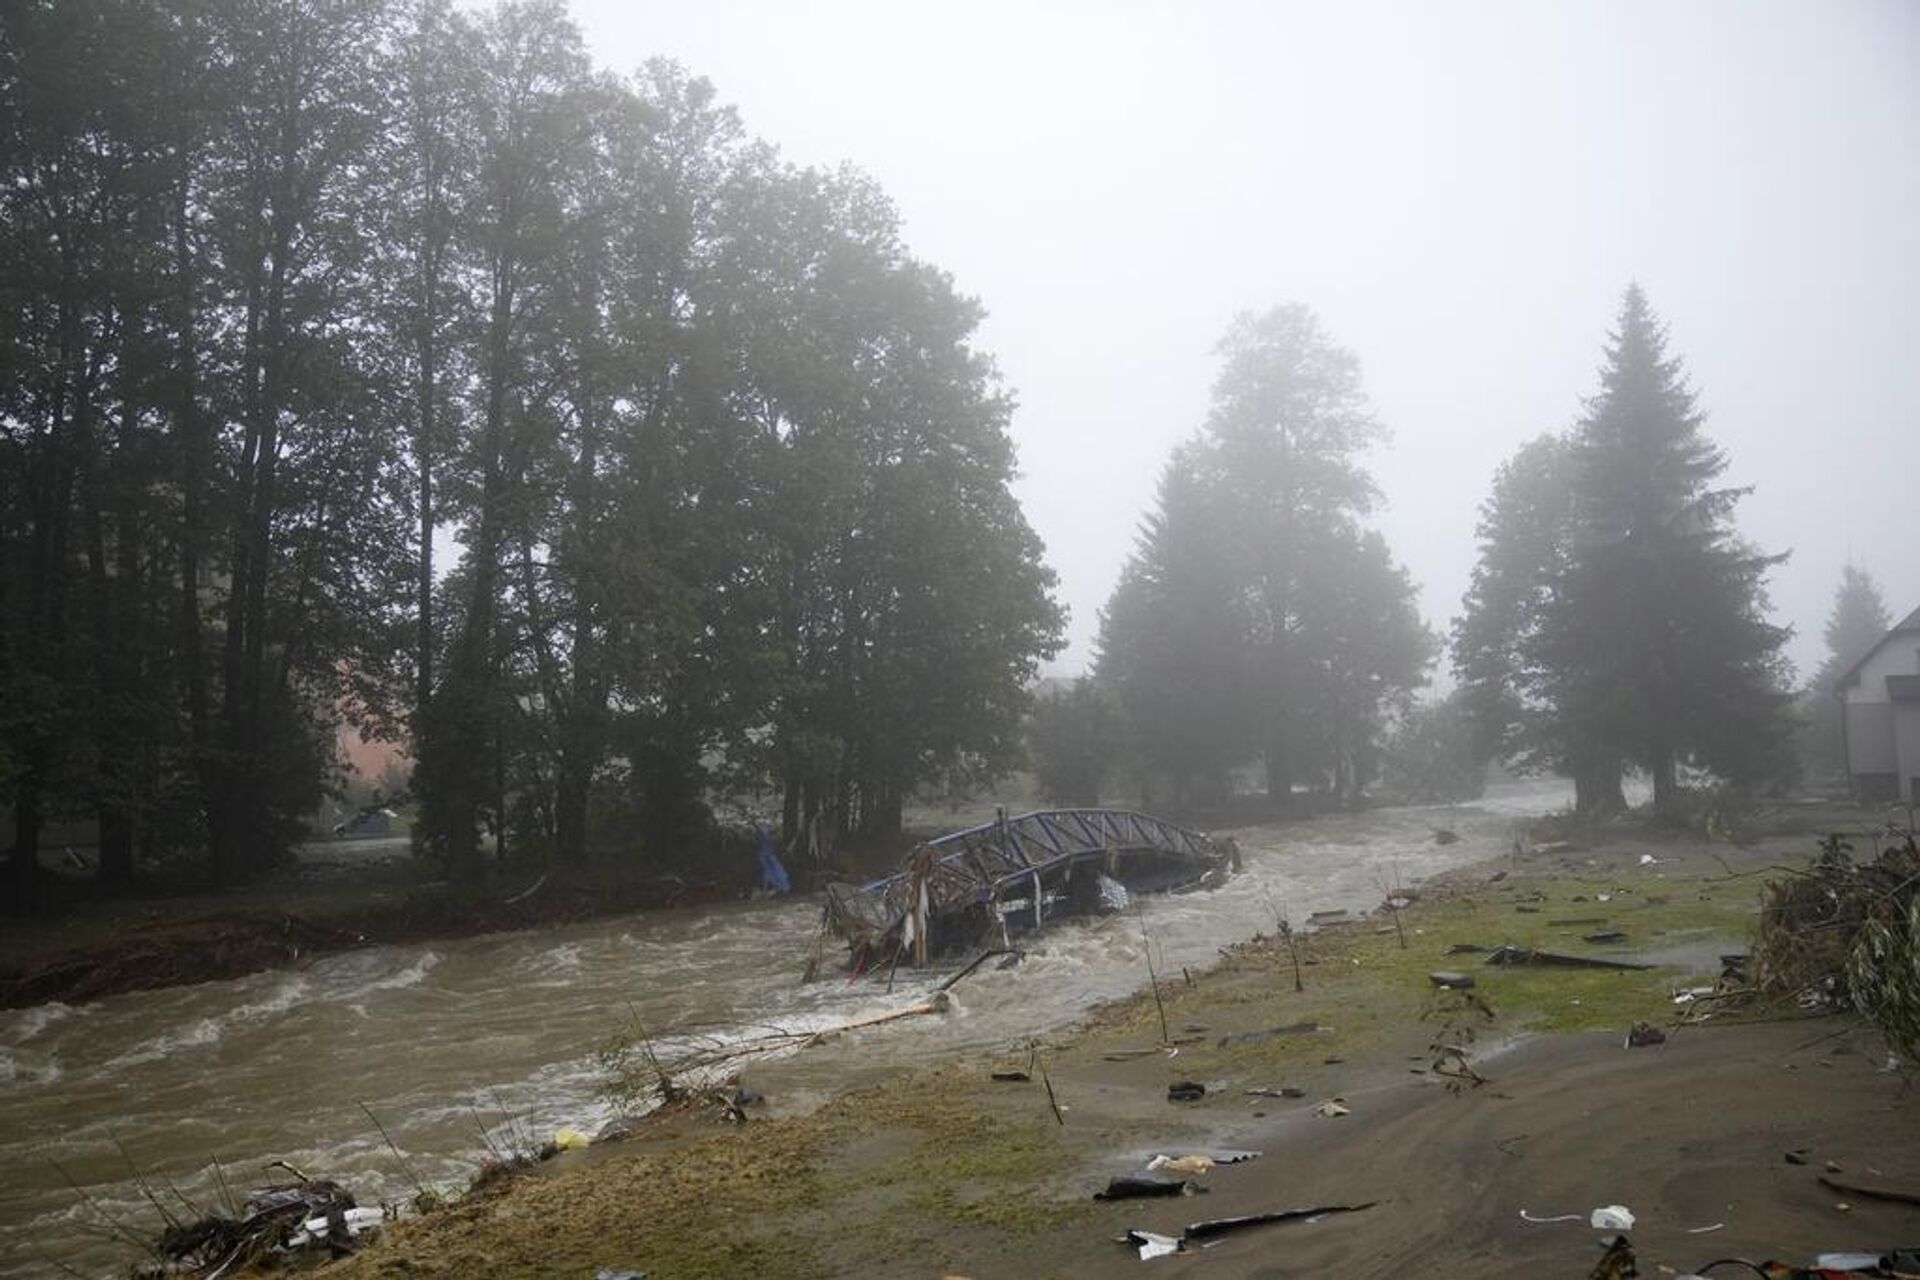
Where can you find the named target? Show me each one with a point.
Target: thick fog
(1461, 192)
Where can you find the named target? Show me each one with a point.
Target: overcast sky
(1461, 192)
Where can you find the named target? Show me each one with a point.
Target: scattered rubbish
(1201, 1161)
(1888, 1194)
(1618, 1262)
(1272, 1033)
(1284, 1091)
(1012, 1077)
(1442, 835)
(1603, 897)
(1152, 1244)
(1559, 1217)
(608, 1273)
(1832, 1166)
(1222, 1226)
(1131, 1055)
(1643, 1034)
(1186, 1091)
(1604, 936)
(1692, 994)
(1701, 1231)
(1450, 978)
(1333, 1107)
(288, 1217)
(352, 1222)
(1612, 1217)
(1137, 1186)
(1850, 1262)
(1533, 955)
(568, 1138)
(1648, 860)
(1496, 877)
(1326, 919)
(1468, 949)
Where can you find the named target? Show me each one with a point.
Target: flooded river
(442, 1039)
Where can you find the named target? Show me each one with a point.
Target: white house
(1882, 715)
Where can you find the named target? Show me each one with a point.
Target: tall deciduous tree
(297, 289)
(531, 136)
(1308, 630)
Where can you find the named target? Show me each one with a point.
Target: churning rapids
(440, 1039)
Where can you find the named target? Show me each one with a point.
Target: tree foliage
(1432, 756)
(1858, 621)
(1258, 617)
(1075, 742)
(1616, 617)
(297, 291)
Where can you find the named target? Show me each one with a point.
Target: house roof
(1906, 626)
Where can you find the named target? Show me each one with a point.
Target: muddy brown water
(444, 1040)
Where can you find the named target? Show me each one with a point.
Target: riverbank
(944, 1170)
(109, 946)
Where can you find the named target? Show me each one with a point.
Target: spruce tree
(1858, 622)
(1655, 648)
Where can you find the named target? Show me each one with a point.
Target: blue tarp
(773, 876)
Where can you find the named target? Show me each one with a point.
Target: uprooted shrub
(1847, 934)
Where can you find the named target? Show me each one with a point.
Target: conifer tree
(1655, 648)
(1858, 622)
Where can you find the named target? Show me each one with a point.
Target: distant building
(1882, 715)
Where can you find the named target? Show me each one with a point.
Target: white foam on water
(20, 1025)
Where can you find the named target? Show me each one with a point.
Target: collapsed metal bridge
(1016, 873)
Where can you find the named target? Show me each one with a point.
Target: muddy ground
(947, 1172)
